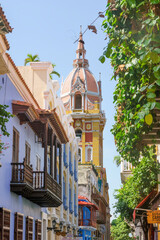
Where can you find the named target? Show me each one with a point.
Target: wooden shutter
(15, 154)
(18, 226)
(4, 224)
(38, 232)
(29, 228)
(27, 153)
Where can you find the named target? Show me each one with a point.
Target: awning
(88, 204)
(142, 203)
(155, 202)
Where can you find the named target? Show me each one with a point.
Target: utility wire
(90, 24)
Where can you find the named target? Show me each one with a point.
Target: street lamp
(68, 229)
(53, 226)
(61, 226)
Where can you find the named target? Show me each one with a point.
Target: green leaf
(157, 50)
(156, 68)
(143, 88)
(107, 52)
(153, 104)
(158, 82)
(158, 105)
(151, 95)
(141, 97)
(154, 1)
(154, 57)
(102, 59)
(132, 3)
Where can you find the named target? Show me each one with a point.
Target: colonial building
(61, 221)
(38, 173)
(82, 97)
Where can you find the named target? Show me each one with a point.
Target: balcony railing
(65, 202)
(22, 173)
(87, 222)
(37, 186)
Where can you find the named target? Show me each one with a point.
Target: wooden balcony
(87, 222)
(37, 186)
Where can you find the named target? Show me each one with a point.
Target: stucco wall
(8, 199)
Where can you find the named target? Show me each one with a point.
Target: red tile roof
(5, 21)
(6, 42)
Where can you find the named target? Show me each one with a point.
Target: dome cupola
(80, 90)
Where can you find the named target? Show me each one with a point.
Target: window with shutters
(27, 153)
(4, 224)
(38, 232)
(18, 226)
(15, 151)
(29, 228)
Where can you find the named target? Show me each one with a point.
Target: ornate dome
(80, 81)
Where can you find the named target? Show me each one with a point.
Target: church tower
(81, 95)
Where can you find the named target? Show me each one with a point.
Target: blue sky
(49, 28)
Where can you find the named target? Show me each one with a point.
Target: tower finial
(80, 28)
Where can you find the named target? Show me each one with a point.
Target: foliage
(120, 230)
(117, 160)
(54, 72)
(31, 58)
(138, 185)
(133, 30)
(4, 118)
(35, 58)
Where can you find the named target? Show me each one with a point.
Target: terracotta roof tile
(6, 42)
(4, 19)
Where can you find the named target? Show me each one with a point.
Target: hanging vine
(133, 28)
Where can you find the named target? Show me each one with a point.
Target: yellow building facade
(81, 95)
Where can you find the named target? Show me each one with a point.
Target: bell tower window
(78, 101)
(79, 133)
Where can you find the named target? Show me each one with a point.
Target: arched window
(78, 101)
(79, 133)
(89, 155)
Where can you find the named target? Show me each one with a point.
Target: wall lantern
(61, 226)
(53, 226)
(68, 228)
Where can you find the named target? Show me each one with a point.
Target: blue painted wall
(8, 199)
